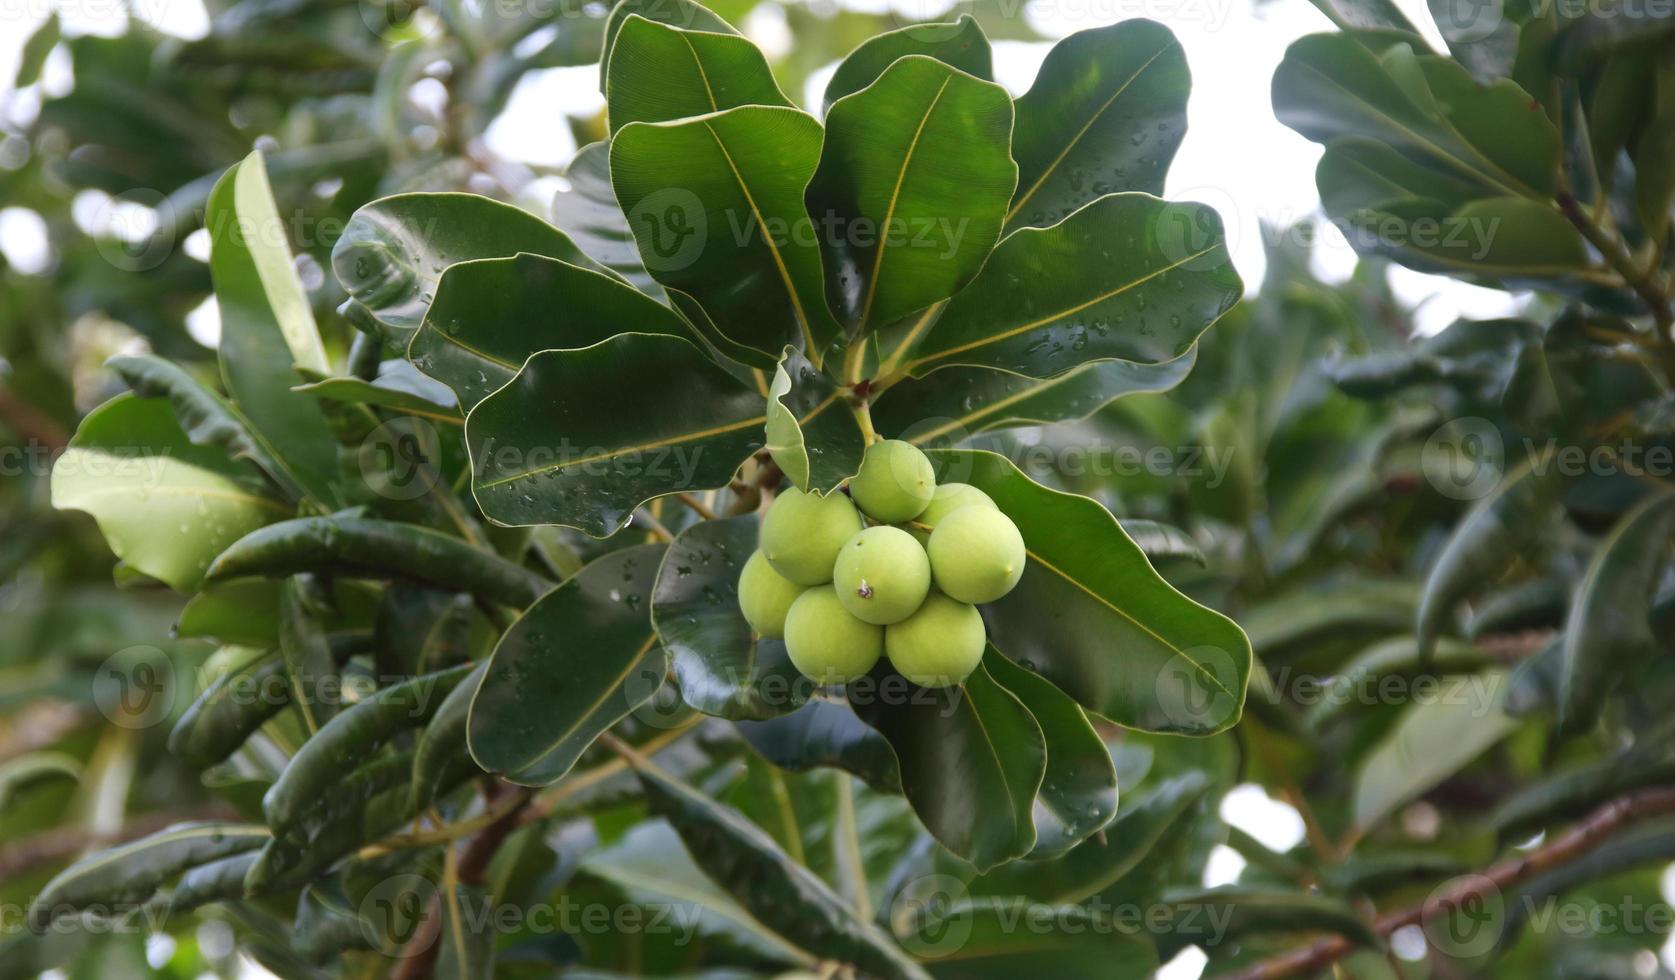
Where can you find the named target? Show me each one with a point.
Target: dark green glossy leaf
(397, 388)
(1146, 818)
(716, 205)
(1106, 114)
(1128, 277)
(957, 402)
(658, 73)
(1078, 795)
(393, 250)
(166, 507)
(490, 315)
(368, 804)
(684, 14)
(589, 214)
(348, 738)
(911, 189)
(825, 733)
(1367, 14)
(115, 880)
(379, 549)
(1488, 538)
(724, 669)
(267, 326)
(811, 431)
(583, 437)
(229, 711)
(1092, 616)
(578, 661)
(960, 45)
(972, 759)
(777, 890)
(1608, 626)
(1426, 106)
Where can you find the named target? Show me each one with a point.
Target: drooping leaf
(651, 866)
(116, 880)
(1106, 114)
(723, 667)
(217, 881)
(780, 892)
(1608, 626)
(1078, 795)
(206, 418)
(267, 326)
(575, 664)
(825, 733)
(1432, 741)
(398, 388)
(589, 214)
(166, 507)
(716, 205)
(1092, 616)
(911, 190)
(310, 669)
(1487, 539)
(393, 250)
(811, 432)
(490, 315)
(362, 546)
(229, 711)
(1127, 277)
(960, 45)
(444, 739)
(583, 437)
(659, 73)
(348, 738)
(995, 938)
(971, 757)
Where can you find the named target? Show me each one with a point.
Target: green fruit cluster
(843, 584)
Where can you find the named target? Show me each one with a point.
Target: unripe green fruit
(765, 596)
(802, 534)
(977, 554)
(938, 646)
(895, 482)
(948, 498)
(882, 575)
(825, 642)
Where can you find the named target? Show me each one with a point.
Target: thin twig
(1578, 841)
(698, 506)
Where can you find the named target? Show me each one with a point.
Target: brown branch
(1642, 281)
(418, 960)
(1574, 843)
(31, 423)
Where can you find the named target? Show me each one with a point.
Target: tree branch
(1574, 843)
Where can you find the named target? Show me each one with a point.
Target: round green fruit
(895, 482)
(938, 646)
(802, 534)
(882, 575)
(947, 498)
(977, 554)
(765, 596)
(825, 642)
